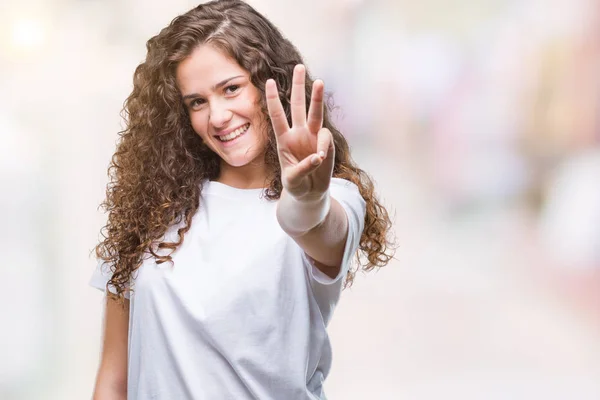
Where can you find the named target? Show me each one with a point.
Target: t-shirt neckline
(214, 187)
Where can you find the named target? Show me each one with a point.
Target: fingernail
(315, 160)
(322, 154)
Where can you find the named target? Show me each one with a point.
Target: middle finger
(298, 96)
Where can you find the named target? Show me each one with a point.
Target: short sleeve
(101, 276)
(346, 193)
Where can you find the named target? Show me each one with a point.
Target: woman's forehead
(205, 67)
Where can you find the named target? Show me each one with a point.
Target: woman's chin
(236, 162)
(243, 160)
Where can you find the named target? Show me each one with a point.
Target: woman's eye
(196, 103)
(232, 88)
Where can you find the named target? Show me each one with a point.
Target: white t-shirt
(243, 312)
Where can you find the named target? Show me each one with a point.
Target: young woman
(233, 215)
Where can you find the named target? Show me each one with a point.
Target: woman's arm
(325, 242)
(111, 381)
(306, 151)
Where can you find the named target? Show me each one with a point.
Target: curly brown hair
(157, 171)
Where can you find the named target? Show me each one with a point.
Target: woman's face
(223, 105)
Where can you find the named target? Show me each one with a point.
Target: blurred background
(478, 119)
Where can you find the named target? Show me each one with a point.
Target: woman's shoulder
(347, 193)
(343, 186)
(342, 182)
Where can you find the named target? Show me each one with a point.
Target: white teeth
(234, 134)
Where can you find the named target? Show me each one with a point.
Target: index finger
(276, 112)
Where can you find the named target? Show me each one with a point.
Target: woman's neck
(249, 176)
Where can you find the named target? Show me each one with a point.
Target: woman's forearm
(325, 239)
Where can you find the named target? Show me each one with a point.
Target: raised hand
(306, 151)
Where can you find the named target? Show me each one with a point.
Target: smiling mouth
(235, 134)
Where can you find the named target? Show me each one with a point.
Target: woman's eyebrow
(214, 88)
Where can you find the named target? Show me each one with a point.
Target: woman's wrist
(298, 216)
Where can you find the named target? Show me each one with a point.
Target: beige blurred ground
(477, 120)
(462, 315)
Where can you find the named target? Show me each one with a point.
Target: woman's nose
(220, 115)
